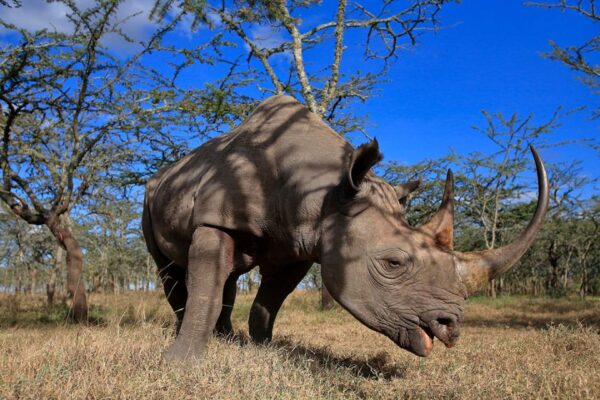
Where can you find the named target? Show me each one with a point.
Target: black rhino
(283, 191)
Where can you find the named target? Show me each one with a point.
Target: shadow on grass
(373, 367)
(318, 359)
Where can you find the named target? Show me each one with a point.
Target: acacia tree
(67, 103)
(267, 32)
(114, 246)
(557, 239)
(24, 253)
(50, 151)
(585, 245)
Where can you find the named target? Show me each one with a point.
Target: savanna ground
(512, 347)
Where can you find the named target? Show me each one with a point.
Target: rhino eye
(392, 261)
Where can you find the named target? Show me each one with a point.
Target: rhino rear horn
(441, 225)
(479, 267)
(363, 158)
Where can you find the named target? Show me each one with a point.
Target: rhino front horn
(479, 267)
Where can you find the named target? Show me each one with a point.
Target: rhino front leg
(209, 264)
(273, 290)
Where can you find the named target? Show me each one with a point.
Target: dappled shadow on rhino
(282, 191)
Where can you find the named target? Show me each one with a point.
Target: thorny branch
(585, 8)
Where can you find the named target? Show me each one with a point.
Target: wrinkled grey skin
(283, 191)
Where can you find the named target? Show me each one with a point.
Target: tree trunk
(6, 284)
(250, 276)
(51, 287)
(583, 287)
(113, 284)
(96, 282)
(75, 286)
(32, 272)
(553, 259)
(51, 284)
(492, 289)
(583, 290)
(17, 270)
(148, 274)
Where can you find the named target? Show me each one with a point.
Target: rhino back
(268, 177)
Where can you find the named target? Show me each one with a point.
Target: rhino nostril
(449, 322)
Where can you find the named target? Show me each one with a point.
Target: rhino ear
(363, 158)
(402, 191)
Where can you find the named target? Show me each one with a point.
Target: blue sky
(486, 58)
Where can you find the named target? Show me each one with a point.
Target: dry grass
(511, 348)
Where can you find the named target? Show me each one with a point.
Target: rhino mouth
(441, 335)
(444, 333)
(421, 339)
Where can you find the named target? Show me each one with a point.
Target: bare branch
(263, 56)
(297, 50)
(577, 6)
(331, 88)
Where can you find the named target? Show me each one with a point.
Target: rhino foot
(183, 350)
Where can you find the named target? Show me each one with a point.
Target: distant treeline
(565, 259)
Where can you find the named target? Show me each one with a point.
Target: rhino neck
(349, 228)
(345, 283)
(333, 245)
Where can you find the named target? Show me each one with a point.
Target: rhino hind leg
(173, 279)
(224, 327)
(209, 264)
(274, 289)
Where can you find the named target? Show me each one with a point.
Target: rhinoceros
(283, 191)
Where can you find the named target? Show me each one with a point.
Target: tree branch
(262, 56)
(290, 25)
(578, 7)
(331, 88)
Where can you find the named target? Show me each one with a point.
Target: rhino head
(403, 281)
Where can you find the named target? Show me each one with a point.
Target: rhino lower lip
(427, 340)
(429, 333)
